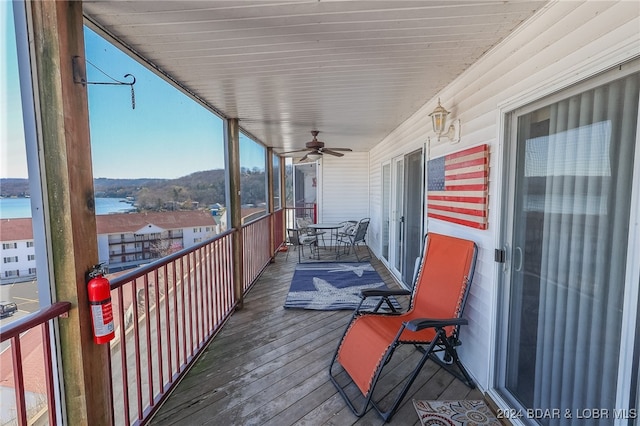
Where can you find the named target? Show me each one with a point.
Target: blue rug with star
(334, 286)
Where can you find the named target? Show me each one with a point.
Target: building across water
(124, 240)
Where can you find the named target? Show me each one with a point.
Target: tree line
(199, 189)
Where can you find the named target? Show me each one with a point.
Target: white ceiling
(353, 69)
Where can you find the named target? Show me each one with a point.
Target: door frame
(396, 234)
(628, 386)
(396, 263)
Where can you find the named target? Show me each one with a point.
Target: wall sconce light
(439, 121)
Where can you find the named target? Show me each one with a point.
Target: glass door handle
(517, 258)
(505, 250)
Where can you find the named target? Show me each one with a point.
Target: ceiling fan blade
(298, 150)
(303, 159)
(339, 149)
(331, 152)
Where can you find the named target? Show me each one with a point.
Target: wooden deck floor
(269, 366)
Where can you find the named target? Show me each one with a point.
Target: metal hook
(133, 77)
(79, 77)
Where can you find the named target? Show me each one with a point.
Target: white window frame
(39, 208)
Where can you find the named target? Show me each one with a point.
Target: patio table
(331, 227)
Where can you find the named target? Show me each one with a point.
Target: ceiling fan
(316, 149)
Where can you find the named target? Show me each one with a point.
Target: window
(18, 147)
(32, 271)
(31, 257)
(277, 198)
(289, 182)
(253, 179)
(192, 138)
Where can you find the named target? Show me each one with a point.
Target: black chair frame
(353, 240)
(293, 237)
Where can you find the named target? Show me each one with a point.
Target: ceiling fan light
(314, 156)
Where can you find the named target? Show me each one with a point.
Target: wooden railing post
(232, 154)
(65, 156)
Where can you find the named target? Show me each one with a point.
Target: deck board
(269, 366)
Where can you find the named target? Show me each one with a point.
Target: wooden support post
(65, 158)
(234, 213)
(283, 195)
(270, 203)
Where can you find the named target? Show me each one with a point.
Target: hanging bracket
(80, 77)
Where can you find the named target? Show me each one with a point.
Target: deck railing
(165, 313)
(256, 250)
(278, 221)
(306, 211)
(257, 245)
(35, 401)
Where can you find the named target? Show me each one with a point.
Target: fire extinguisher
(99, 291)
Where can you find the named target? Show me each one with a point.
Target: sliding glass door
(413, 213)
(386, 209)
(402, 216)
(573, 203)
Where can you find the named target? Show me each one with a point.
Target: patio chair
(354, 236)
(299, 240)
(347, 227)
(303, 227)
(431, 324)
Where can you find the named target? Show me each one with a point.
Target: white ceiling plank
(353, 69)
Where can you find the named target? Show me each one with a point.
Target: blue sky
(167, 135)
(13, 160)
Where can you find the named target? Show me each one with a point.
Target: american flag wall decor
(457, 187)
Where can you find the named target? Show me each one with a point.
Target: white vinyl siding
(565, 42)
(344, 187)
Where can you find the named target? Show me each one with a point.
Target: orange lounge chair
(431, 323)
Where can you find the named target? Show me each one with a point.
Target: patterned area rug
(333, 286)
(455, 413)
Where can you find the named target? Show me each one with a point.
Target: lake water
(12, 208)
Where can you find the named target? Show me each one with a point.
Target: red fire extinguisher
(99, 291)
